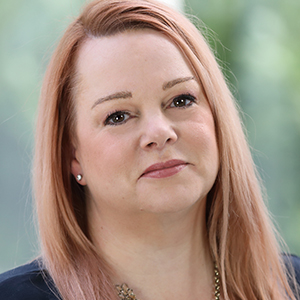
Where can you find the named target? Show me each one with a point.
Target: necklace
(126, 293)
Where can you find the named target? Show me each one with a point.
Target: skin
(152, 230)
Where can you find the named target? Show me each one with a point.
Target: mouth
(164, 169)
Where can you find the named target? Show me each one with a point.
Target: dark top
(28, 282)
(31, 282)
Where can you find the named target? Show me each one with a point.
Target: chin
(173, 202)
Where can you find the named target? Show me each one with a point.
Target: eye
(117, 118)
(183, 101)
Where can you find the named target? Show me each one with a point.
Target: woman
(142, 172)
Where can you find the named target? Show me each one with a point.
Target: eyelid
(187, 96)
(111, 114)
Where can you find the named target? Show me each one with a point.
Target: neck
(159, 256)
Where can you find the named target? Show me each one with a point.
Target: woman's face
(145, 133)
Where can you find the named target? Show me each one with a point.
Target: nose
(157, 132)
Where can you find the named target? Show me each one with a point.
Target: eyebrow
(119, 95)
(124, 95)
(171, 83)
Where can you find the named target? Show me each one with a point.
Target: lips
(164, 169)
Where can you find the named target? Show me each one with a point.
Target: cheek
(202, 131)
(202, 138)
(104, 155)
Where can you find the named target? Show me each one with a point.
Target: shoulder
(292, 263)
(28, 282)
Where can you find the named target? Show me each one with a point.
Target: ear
(76, 169)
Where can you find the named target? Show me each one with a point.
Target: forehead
(133, 41)
(130, 54)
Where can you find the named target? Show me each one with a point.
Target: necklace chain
(217, 282)
(126, 293)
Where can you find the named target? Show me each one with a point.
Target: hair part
(240, 234)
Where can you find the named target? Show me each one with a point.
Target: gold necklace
(126, 293)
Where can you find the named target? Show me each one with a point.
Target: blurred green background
(258, 44)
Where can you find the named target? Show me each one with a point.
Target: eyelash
(116, 113)
(184, 97)
(122, 113)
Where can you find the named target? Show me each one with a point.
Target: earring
(79, 177)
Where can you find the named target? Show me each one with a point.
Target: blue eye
(117, 118)
(183, 101)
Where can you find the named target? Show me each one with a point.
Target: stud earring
(79, 177)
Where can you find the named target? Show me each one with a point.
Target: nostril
(157, 135)
(150, 144)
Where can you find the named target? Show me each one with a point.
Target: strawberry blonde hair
(240, 234)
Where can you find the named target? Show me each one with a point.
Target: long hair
(240, 234)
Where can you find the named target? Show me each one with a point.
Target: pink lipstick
(164, 169)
